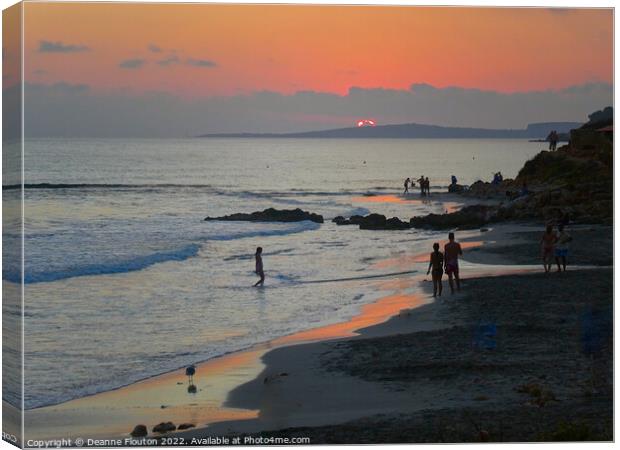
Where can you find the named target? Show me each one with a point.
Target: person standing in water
(547, 242)
(436, 263)
(406, 186)
(421, 183)
(561, 248)
(452, 250)
(259, 266)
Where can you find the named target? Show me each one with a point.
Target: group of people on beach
(554, 244)
(424, 183)
(447, 261)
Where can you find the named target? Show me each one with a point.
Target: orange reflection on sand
(406, 261)
(389, 198)
(371, 314)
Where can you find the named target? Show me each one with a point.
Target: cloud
(59, 47)
(201, 62)
(49, 108)
(134, 63)
(172, 59)
(154, 48)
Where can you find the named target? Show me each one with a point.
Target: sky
(184, 69)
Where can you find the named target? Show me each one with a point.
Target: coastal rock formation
(373, 222)
(164, 427)
(139, 431)
(456, 188)
(470, 217)
(272, 215)
(185, 426)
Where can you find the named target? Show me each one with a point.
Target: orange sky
(287, 48)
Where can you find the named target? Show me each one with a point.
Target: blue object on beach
(594, 327)
(484, 336)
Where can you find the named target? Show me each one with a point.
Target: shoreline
(305, 403)
(222, 373)
(240, 376)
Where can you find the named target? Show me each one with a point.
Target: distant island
(533, 131)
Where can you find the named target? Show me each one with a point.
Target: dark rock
(139, 431)
(456, 188)
(373, 222)
(272, 215)
(470, 217)
(185, 426)
(164, 427)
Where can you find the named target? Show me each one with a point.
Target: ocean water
(124, 279)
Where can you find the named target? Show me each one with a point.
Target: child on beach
(259, 266)
(561, 248)
(436, 263)
(452, 250)
(547, 242)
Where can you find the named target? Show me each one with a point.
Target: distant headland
(417, 131)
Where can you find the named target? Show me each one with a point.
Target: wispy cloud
(134, 63)
(154, 48)
(201, 62)
(59, 47)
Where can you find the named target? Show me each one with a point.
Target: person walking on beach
(561, 248)
(407, 186)
(259, 267)
(547, 242)
(436, 263)
(452, 250)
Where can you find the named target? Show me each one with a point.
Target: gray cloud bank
(59, 47)
(77, 110)
(135, 63)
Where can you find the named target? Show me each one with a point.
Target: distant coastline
(534, 131)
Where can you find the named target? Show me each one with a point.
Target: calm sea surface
(125, 280)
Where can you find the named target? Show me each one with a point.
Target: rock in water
(185, 426)
(164, 427)
(272, 215)
(373, 222)
(139, 431)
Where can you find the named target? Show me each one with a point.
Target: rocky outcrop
(456, 188)
(164, 427)
(469, 217)
(373, 222)
(139, 431)
(185, 426)
(272, 215)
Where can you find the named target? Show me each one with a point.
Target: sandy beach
(403, 368)
(423, 377)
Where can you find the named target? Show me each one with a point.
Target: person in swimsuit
(259, 266)
(452, 250)
(407, 186)
(436, 263)
(547, 242)
(561, 249)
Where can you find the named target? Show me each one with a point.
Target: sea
(124, 280)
